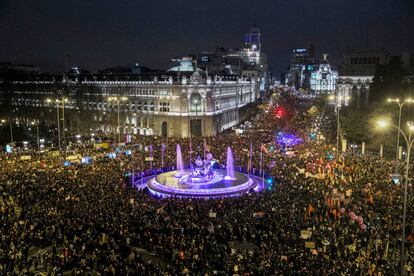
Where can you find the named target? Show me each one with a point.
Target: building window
(195, 102)
(217, 105)
(164, 107)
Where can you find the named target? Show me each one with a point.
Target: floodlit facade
(323, 80)
(193, 104)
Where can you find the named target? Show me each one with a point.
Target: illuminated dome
(186, 65)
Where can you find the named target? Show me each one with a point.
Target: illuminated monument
(202, 181)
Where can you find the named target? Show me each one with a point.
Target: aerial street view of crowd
(319, 211)
(206, 138)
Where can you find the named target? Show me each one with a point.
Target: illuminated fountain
(230, 165)
(201, 172)
(202, 181)
(180, 163)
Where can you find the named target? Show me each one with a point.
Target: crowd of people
(322, 213)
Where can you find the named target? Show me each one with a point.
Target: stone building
(357, 73)
(166, 105)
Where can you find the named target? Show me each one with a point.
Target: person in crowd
(323, 216)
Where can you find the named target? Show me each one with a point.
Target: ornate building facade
(357, 73)
(323, 79)
(193, 104)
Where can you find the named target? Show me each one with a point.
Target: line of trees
(391, 80)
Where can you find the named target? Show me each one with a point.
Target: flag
(264, 149)
(261, 159)
(191, 152)
(162, 154)
(310, 209)
(160, 210)
(250, 157)
(151, 157)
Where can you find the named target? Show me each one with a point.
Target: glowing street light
(338, 100)
(37, 134)
(383, 123)
(400, 105)
(409, 141)
(117, 100)
(58, 120)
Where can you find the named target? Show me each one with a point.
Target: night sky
(102, 33)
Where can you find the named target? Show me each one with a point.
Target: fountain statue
(201, 180)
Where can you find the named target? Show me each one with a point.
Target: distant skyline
(102, 33)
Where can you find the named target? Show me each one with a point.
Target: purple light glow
(167, 185)
(180, 164)
(230, 165)
(287, 139)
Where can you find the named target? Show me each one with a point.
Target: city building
(26, 68)
(193, 104)
(302, 63)
(249, 61)
(309, 75)
(198, 96)
(357, 73)
(323, 78)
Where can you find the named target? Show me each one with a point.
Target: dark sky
(102, 33)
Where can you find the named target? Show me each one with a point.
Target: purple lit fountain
(230, 165)
(180, 164)
(202, 181)
(201, 173)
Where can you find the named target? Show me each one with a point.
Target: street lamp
(58, 120)
(117, 100)
(338, 100)
(11, 129)
(409, 141)
(64, 100)
(400, 105)
(37, 135)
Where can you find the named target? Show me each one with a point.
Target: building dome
(186, 65)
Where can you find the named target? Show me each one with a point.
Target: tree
(355, 124)
(388, 81)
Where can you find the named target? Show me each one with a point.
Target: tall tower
(252, 39)
(312, 54)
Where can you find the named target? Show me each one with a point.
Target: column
(358, 95)
(366, 94)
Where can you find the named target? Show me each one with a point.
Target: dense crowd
(322, 215)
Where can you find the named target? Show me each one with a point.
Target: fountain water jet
(230, 165)
(180, 164)
(202, 180)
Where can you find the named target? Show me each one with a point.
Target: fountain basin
(167, 185)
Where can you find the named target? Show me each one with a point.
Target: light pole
(338, 100)
(409, 141)
(37, 135)
(400, 105)
(58, 121)
(11, 130)
(63, 123)
(117, 100)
